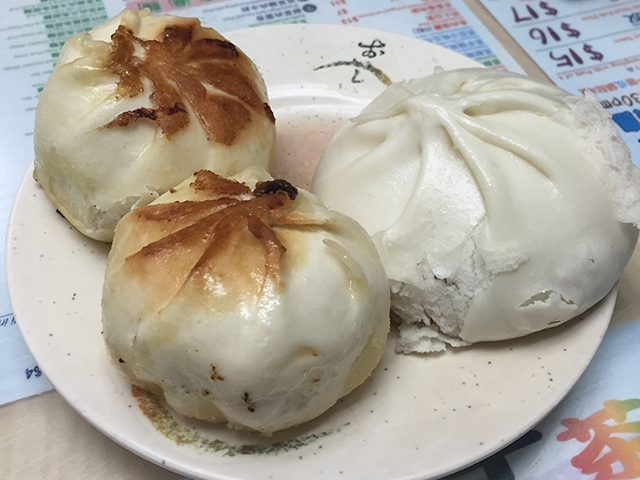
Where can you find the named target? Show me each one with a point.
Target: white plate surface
(416, 418)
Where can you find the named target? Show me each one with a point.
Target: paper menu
(449, 24)
(586, 45)
(31, 35)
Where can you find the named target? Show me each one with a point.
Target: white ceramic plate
(417, 417)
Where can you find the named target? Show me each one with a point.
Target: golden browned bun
(137, 105)
(245, 301)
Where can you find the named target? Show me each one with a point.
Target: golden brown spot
(223, 118)
(180, 212)
(225, 244)
(123, 62)
(208, 182)
(186, 66)
(162, 115)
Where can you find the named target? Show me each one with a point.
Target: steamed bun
(137, 105)
(500, 205)
(244, 300)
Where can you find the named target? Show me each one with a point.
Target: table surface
(41, 437)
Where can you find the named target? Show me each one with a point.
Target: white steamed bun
(137, 105)
(244, 301)
(500, 205)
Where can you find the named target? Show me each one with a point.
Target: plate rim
(155, 458)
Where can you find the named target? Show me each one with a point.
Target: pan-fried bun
(137, 105)
(246, 301)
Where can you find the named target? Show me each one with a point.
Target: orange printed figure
(613, 444)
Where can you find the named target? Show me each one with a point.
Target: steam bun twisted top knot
(500, 205)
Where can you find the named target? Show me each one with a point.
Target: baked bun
(500, 205)
(244, 301)
(137, 105)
